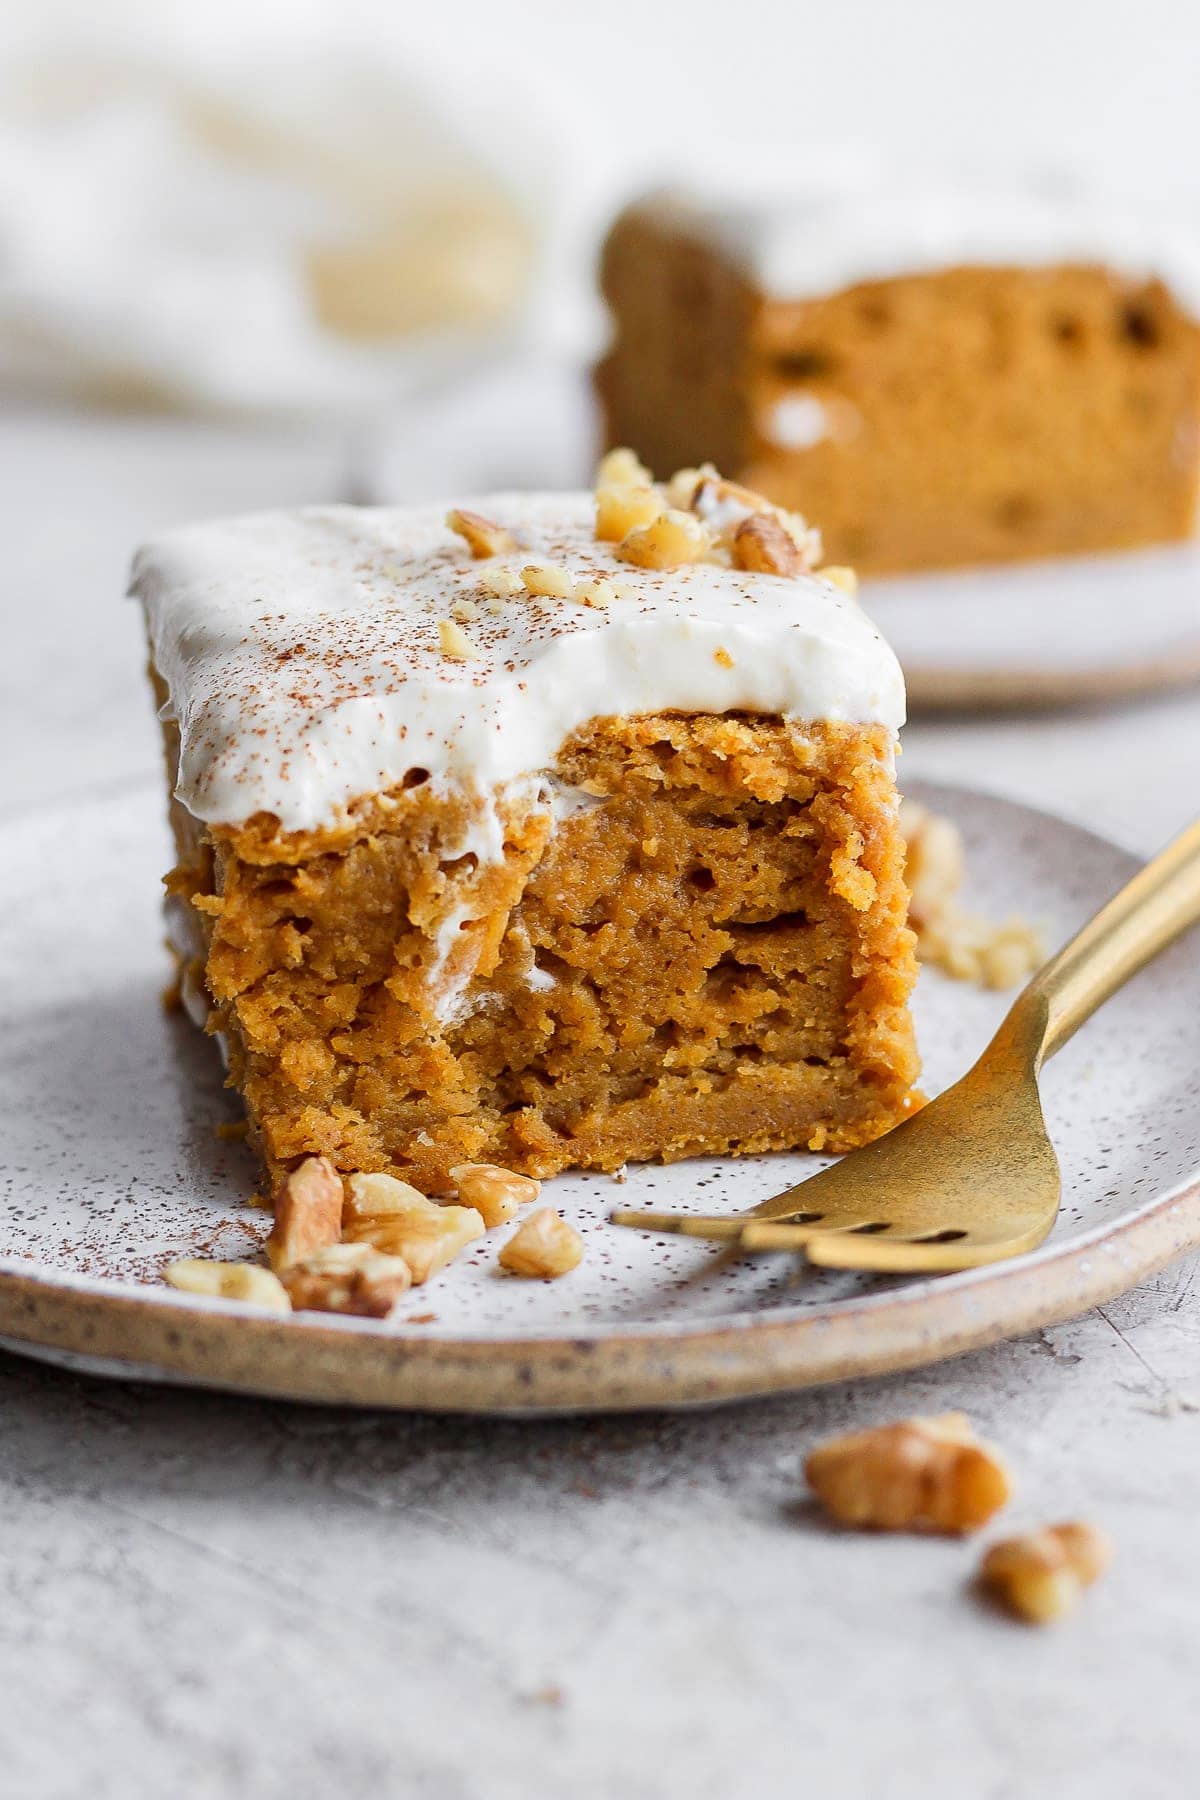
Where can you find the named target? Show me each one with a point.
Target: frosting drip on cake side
(305, 662)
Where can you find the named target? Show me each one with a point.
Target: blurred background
(320, 206)
(262, 252)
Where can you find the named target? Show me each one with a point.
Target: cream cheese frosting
(855, 223)
(304, 662)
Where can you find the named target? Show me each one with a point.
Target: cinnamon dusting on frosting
(305, 652)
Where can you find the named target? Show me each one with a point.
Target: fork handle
(1149, 913)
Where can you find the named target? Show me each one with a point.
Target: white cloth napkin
(313, 232)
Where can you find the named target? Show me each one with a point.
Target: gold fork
(973, 1177)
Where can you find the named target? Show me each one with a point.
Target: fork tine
(717, 1227)
(883, 1253)
(679, 1224)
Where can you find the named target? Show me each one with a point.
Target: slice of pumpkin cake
(556, 831)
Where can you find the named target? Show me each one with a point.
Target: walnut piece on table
(347, 1278)
(1040, 1575)
(928, 1474)
(308, 1212)
(544, 1247)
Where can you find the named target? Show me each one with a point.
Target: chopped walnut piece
(761, 543)
(464, 611)
(229, 1281)
(682, 488)
(550, 579)
(348, 1278)
(599, 593)
(621, 468)
(841, 577)
(919, 1474)
(370, 1196)
(959, 943)
(723, 502)
(620, 510)
(396, 1219)
(454, 641)
(806, 537)
(1040, 1575)
(543, 1247)
(501, 584)
(308, 1212)
(484, 538)
(672, 539)
(934, 864)
(496, 1194)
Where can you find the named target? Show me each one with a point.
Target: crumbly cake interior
(706, 953)
(974, 414)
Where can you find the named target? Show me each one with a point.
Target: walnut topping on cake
(483, 537)
(550, 580)
(673, 538)
(698, 516)
(620, 510)
(761, 542)
(501, 584)
(601, 592)
(455, 643)
(622, 469)
(841, 577)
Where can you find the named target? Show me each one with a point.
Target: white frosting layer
(301, 652)
(854, 224)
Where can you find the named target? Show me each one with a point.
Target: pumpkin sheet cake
(547, 831)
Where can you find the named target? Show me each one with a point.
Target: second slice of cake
(557, 834)
(939, 374)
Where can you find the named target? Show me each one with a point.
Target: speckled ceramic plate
(110, 1165)
(1045, 634)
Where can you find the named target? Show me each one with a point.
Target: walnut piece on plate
(348, 1278)
(228, 1281)
(308, 1212)
(496, 1194)
(544, 1247)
